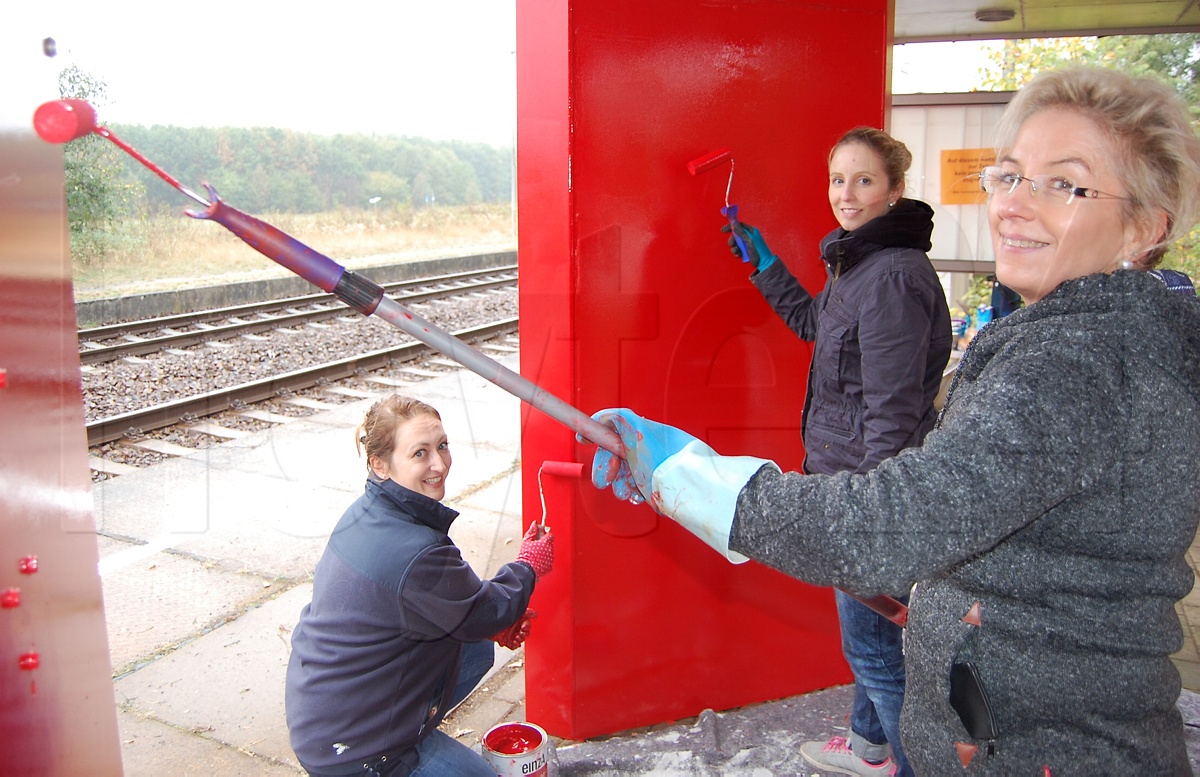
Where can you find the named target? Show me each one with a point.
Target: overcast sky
(441, 69)
(948, 66)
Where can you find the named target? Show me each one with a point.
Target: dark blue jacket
(376, 654)
(881, 335)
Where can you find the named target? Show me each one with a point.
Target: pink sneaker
(836, 756)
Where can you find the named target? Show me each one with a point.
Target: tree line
(271, 170)
(265, 170)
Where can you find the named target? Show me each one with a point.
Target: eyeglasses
(1059, 190)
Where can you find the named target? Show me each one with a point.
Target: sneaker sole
(837, 769)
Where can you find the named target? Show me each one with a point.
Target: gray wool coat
(1059, 491)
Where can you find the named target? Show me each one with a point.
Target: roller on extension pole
(61, 121)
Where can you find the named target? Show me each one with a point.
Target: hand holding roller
(745, 236)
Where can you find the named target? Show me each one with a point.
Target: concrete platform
(206, 563)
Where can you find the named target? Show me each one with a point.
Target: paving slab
(226, 687)
(159, 601)
(268, 525)
(151, 748)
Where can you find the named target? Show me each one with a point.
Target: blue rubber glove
(680, 476)
(647, 445)
(760, 256)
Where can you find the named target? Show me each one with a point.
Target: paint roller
(562, 469)
(708, 162)
(61, 121)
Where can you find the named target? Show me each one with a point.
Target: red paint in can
(517, 750)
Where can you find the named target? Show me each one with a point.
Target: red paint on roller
(61, 121)
(564, 469)
(708, 161)
(699, 165)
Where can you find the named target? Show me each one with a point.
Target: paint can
(517, 749)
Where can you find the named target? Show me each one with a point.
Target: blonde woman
(400, 628)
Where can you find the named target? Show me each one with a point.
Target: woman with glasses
(881, 338)
(1045, 519)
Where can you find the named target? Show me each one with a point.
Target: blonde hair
(1158, 159)
(377, 433)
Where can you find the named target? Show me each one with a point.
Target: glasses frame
(1037, 182)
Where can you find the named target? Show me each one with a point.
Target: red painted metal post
(57, 709)
(630, 297)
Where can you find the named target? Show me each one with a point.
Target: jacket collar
(422, 509)
(908, 225)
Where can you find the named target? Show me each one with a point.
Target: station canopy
(946, 20)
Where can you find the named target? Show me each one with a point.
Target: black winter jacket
(376, 654)
(881, 334)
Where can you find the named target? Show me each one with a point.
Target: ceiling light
(994, 15)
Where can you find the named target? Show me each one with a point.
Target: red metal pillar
(57, 711)
(629, 297)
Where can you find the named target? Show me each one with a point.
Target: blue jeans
(441, 754)
(873, 646)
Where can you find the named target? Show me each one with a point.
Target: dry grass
(174, 251)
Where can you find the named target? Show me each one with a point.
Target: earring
(1130, 260)
(891, 204)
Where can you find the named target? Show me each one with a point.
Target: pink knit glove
(537, 551)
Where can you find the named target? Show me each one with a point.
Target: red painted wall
(57, 709)
(630, 297)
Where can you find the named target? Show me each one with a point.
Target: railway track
(137, 338)
(303, 354)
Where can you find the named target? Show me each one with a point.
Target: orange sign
(960, 175)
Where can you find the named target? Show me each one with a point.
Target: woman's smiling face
(858, 185)
(421, 459)
(1040, 242)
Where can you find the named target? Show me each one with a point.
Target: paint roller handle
(745, 236)
(537, 550)
(61, 121)
(368, 298)
(730, 212)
